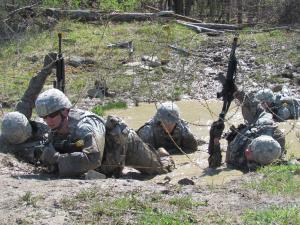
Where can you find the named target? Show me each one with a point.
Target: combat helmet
(265, 95)
(51, 101)
(15, 128)
(167, 112)
(265, 149)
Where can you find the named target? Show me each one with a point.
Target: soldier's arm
(77, 163)
(189, 142)
(35, 86)
(146, 134)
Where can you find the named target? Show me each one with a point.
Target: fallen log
(92, 15)
(218, 26)
(198, 28)
(171, 13)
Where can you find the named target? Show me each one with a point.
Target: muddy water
(200, 115)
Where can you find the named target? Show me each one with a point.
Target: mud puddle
(200, 115)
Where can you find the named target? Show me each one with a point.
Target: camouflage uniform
(263, 125)
(105, 146)
(25, 149)
(282, 107)
(124, 147)
(153, 134)
(81, 149)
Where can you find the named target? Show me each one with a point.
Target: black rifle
(60, 68)
(216, 130)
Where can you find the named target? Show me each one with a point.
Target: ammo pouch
(116, 140)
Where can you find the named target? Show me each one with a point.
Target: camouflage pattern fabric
(35, 86)
(282, 108)
(73, 160)
(124, 147)
(24, 151)
(153, 134)
(264, 125)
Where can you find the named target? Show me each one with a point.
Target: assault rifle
(217, 127)
(60, 68)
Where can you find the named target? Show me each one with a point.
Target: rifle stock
(217, 127)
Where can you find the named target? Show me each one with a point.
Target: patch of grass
(29, 199)
(99, 110)
(85, 195)
(150, 217)
(273, 215)
(186, 202)
(279, 179)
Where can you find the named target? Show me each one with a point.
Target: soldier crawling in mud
(80, 141)
(281, 106)
(258, 142)
(166, 130)
(18, 133)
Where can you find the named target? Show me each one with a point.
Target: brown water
(200, 115)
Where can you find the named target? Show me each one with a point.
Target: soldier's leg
(149, 161)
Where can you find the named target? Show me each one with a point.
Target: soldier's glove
(49, 155)
(50, 60)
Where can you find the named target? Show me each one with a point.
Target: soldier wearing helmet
(20, 135)
(81, 141)
(168, 131)
(256, 144)
(282, 107)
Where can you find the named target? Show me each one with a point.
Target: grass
(99, 110)
(279, 179)
(29, 199)
(273, 215)
(186, 202)
(149, 38)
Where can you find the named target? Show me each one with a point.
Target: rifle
(217, 127)
(60, 68)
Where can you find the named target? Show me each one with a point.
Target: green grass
(279, 179)
(273, 215)
(99, 110)
(149, 38)
(29, 199)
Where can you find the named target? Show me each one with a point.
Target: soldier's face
(53, 120)
(168, 127)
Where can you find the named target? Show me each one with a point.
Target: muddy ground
(30, 196)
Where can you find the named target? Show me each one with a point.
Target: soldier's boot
(145, 159)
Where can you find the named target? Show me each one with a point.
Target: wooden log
(91, 15)
(218, 26)
(177, 16)
(198, 28)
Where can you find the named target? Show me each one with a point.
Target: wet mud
(200, 115)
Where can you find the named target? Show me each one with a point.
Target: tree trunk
(239, 6)
(178, 6)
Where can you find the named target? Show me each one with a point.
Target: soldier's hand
(49, 60)
(49, 155)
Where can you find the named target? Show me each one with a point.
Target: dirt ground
(29, 197)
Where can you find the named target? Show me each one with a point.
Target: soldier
(20, 135)
(255, 144)
(282, 107)
(168, 131)
(81, 141)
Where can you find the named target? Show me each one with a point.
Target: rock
(252, 59)
(76, 61)
(209, 71)
(277, 88)
(133, 64)
(151, 61)
(186, 181)
(287, 74)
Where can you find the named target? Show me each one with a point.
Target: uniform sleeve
(146, 134)
(93, 134)
(189, 141)
(35, 86)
